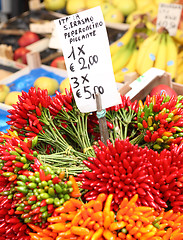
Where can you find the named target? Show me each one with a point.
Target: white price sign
(169, 17)
(85, 46)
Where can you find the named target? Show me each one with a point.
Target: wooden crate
(139, 87)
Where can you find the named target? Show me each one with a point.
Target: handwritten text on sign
(169, 17)
(86, 51)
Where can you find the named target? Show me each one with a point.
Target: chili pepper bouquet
(58, 180)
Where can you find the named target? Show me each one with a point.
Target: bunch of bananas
(179, 78)
(160, 51)
(140, 49)
(124, 51)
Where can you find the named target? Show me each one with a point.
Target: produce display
(58, 180)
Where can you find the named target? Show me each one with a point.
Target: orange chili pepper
(97, 206)
(129, 226)
(101, 197)
(77, 203)
(109, 235)
(81, 231)
(117, 226)
(91, 224)
(81, 222)
(85, 223)
(84, 212)
(161, 233)
(12, 178)
(88, 237)
(35, 228)
(123, 211)
(168, 134)
(134, 230)
(122, 235)
(96, 226)
(71, 215)
(98, 234)
(76, 219)
(57, 227)
(75, 193)
(13, 134)
(123, 203)
(107, 221)
(35, 236)
(90, 211)
(138, 235)
(62, 174)
(56, 219)
(141, 104)
(68, 206)
(139, 224)
(48, 232)
(96, 216)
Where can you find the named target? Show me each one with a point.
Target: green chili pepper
(32, 185)
(27, 220)
(44, 183)
(23, 159)
(49, 201)
(57, 202)
(51, 191)
(45, 214)
(36, 174)
(31, 178)
(44, 195)
(58, 188)
(20, 183)
(66, 197)
(7, 174)
(22, 189)
(23, 178)
(43, 209)
(25, 166)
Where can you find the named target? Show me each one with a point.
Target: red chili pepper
(42, 175)
(19, 164)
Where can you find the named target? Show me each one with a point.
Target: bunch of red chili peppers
(29, 191)
(125, 170)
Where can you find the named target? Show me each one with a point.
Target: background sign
(169, 17)
(85, 46)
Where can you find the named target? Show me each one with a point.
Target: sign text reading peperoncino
(86, 51)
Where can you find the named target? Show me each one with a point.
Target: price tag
(169, 17)
(85, 47)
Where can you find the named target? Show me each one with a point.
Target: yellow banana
(160, 61)
(150, 56)
(124, 40)
(179, 36)
(121, 58)
(180, 67)
(150, 9)
(179, 78)
(143, 49)
(130, 67)
(172, 53)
